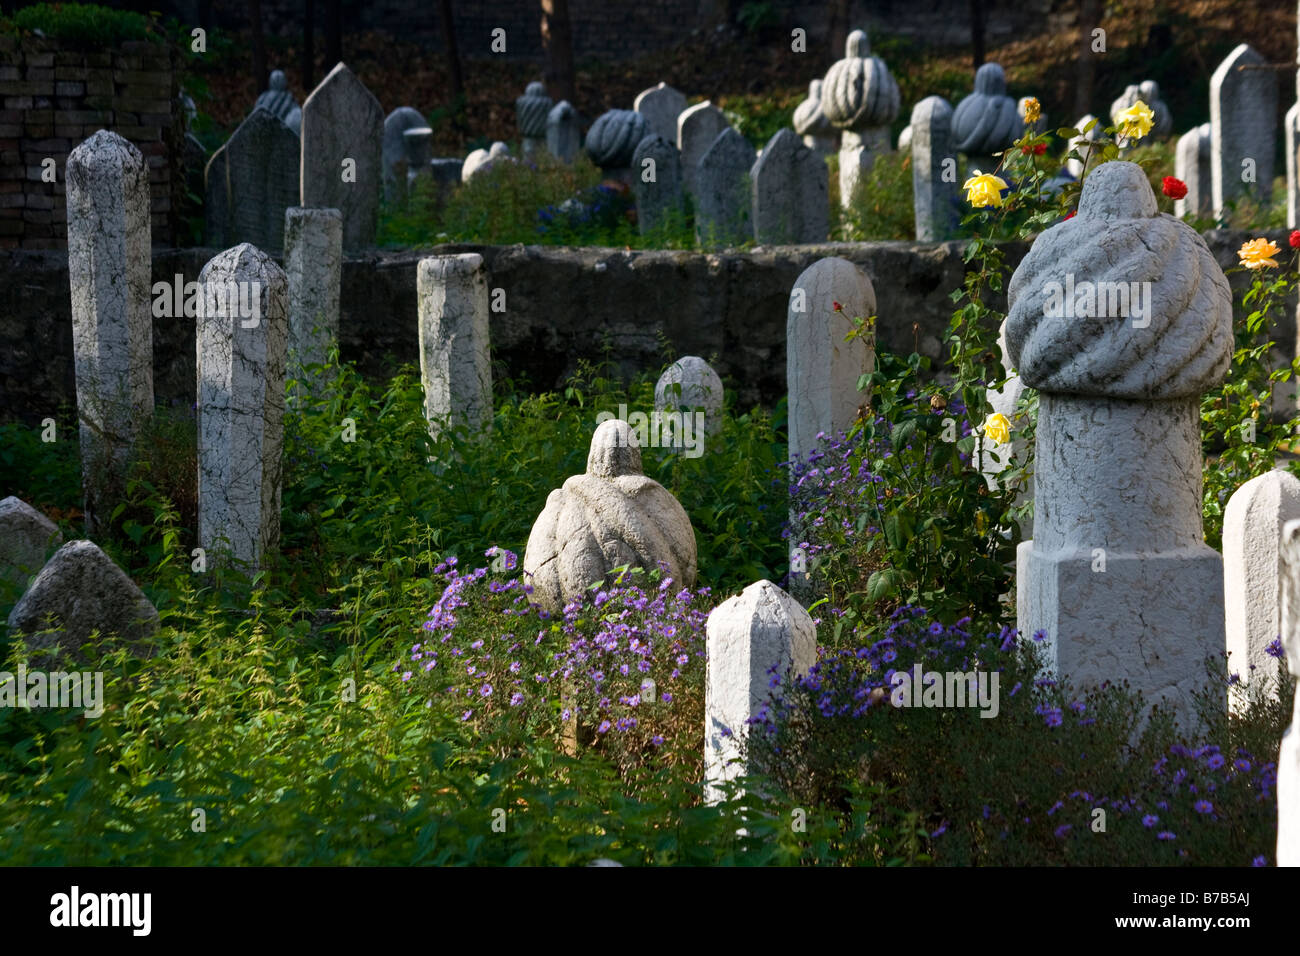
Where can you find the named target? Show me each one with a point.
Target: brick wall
(53, 97)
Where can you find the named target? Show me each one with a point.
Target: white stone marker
(859, 97)
(1192, 166)
(563, 138)
(1117, 482)
(723, 214)
(454, 341)
(688, 385)
(531, 111)
(660, 105)
(791, 192)
(1081, 143)
(656, 182)
(313, 265)
(342, 154)
(1252, 539)
(241, 342)
(1288, 761)
(936, 195)
(822, 369)
(698, 128)
(112, 321)
(748, 635)
(26, 537)
(1243, 127)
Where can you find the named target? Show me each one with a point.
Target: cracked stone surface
(790, 187)
(1288, 762)
(455, 341)
(1243, 126)
(79, 591)
(749, 634)
(665, 195)
(660, 105)
(723, 206)
(313, 265)
(698, 128)
(936, 200)
(241, 397)
(109, 268)
(342, 120)
(256, 180)
(26, 539)
(612, 515)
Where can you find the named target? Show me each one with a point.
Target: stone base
(1288, 799)
(1151, 618)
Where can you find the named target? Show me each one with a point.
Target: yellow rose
(1135, 122)
(997, 429)
(984, 189)
(1258, 253)
(1032, 111)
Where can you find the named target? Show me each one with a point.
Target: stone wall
(561, 305)
(54, 97)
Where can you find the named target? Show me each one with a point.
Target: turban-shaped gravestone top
(987, 120)
(1119, 236)
(609, 517)
(859, 91)
(613, 137)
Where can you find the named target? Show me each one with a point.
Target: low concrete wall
(561, 305)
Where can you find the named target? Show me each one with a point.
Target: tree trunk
(453, 57)
(977, 33)
(837, 27)
(557, 39)
(333, 33)
(308, 46)
(259, 47)
(1086, 73)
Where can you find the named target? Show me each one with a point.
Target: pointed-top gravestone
(531, 111)
(109, 266)
(1119, 575)
(791, 197)
(563, 138)
(661, 105)
(936, 201)
(722, 200)
(697, 129)
(396, 124)
(656, 182)
(342, 165)
(261, 181)
(1243, 128)
(241, 343)
(1192, 166)
(279, 102)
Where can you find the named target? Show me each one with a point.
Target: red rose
(1173, 188)
(1040, 149)
(1071, 215)
(1025, 150)
(1295, 239)
(837, 307)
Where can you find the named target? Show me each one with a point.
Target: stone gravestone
(563, 138)
(1252, 546)
(279, 102)
(1119, 575)
(260, 179)
(1192, 166)
(342, 140)
(216, 199)
(822, 369)
(697, 129)
(313, 266)
(688, 386)
(1081, 143)
(241, 343)
(613, 139)
(936, 196)
(419, 154)
(26, 537)
(1149, 93)
(396, 124)
(109, 266)
(722, 200)
(656, 182)
(860, 97)
(79, 591)
(531, 111)
(1243, 128)
(455, 352)
(791, 192)
(811, 123)
(1291, 146)
(481, 160)
(1288, 761)
(986, 122)
(749, 635)
(660, 105)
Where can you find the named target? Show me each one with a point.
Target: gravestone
(613, 139)
(79, 591)
(563, 138)
(1119, 575)
(660, 105)
(752, 637)
(280, 103)
(261, 181)
(1288, 761)
(691, 385)
(26, 539)
(722, 201)
(656, 183)
(859, 97)
(109, 266)
(455, 352)
(698, 127)
(1252, 548)
(1291, 146)
(905, 139)
(342, 161)
(313, 266)
(1243, 128)
(241, 341)
(1192, 166)
(216, 199)
(822, 368)
(1148, 92)
(531, 111)
(791, 192)
(481, 160)
(986, 122)
(419, 154)
(1081, 143)
(811, 123)
(936, 196)
(394, 152)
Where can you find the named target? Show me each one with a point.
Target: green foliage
(85, 23)
(882, 201)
